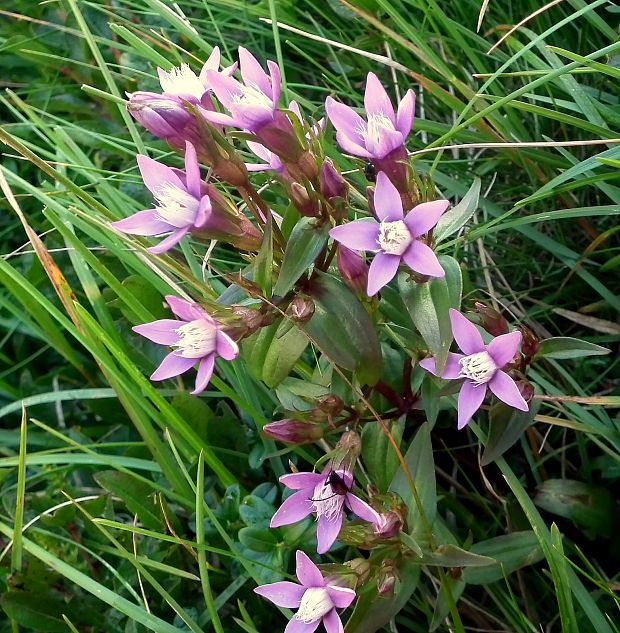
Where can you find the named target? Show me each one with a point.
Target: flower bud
(526, 389)
(353, 269)
(386, 578)
(333, 185)
(304, 202)
(347, 451)
(529, 343)
(294, 431)
(390, 524)
(301, 309)
(361, 567)
(331, 404)
(491, 320)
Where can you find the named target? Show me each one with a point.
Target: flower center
(394, 237)
(479, 367)
(252, 96)
(175, 206)
(326, 501)
(376, 126)
(197, 339)
(182, 80)
(315, 603)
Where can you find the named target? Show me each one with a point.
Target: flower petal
(422, 259)
(162, 332)
(212, 63)
(252, 72)
(381, 271)
(172, 366)
(301, 481)
(465, 333)
(429, 365)
(327, 531)
(282, 594)
(205, 371)
(260, 150)
(225, 88)
(332, 622)
(293, 509)
(359, 235)
(308, 573)
(172, 240)
(276, 82)
(342, 597)
(298, 626)
(470, 399)
(504, 347)
(450, 372)
(203, 212)
(219, 118)
(505, 388)
(405, 114)
(192, 171)
(388, 203)
(350, 146)
(385, 143)
(423, 217)
(360, 508)
(155, 174)
(376, 99)
(345, 119)
(186, 310)
(225, 346)
(145, 223)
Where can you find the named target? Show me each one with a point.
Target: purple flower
(196, 337)
(383, 132)
(315, 599)
(395, 237)
(252, 103)
(316, 495)
(481, 366)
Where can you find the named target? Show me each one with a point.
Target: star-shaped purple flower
(481, 366)
(383, 132)
(181, 202)
(315, 599)
(196, 337)
(253, 103)
(395, 237)
(317, 493)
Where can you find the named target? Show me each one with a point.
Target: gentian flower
(383, 132)
(316, 495)
(395, 237)
(480, 366)
(315, 599)
(196, 337)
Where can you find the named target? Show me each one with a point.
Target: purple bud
(389, 526)
(491, 320)
(333, 185)
(386, 578)
(353, 269)
(301, 309)
(294, 431)
(304, 201)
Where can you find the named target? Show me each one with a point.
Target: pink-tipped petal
(155, 174)
(301, 481)
(219, 118)
(505, 388)
(422, 259)
(388, 203)
(225, 346)
(465, 333)
(345, 119)
(470, 399)
(205, 371)
(504, 347)
(252, 72)
(145, 223)
(293, 106)
(192, 170)
(351, 146)
(260, 150)
(385, 143)
(453, 368)
(293, 509)
(282, 594)
(225, 88)
(359, 235)
(327, 531)
(429, 365)
(422, 218)
(212, 63)
(332, 622)
(276, 82)
(204, 212)
(382, 270)
(361, 508)
(298, 626)
(376, 99)
(342, 597)
(166, 244)
(172, 366)
(186, 310)
(308, 573)
(162, 332)
(405, 114)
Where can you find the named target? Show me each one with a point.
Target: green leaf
(263, 263)
(378, 452)
(134, 493)
(258, 539)
(510, 551)
(563, 347)
(453, 219)
(35, 611)
(303, 247)
(453, 556)
(342, 329)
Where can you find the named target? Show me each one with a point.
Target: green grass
(186, 552)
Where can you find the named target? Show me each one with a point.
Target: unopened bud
(387, 578)
(331, 404)
(361, 567)
(304, 202)
(353, 269)
(347, 451)
(250, 320)
(301, 309)
(529, 342)
(491, 320)
(333, 185)
(390, 524)
(526, 389)
(294, 431)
